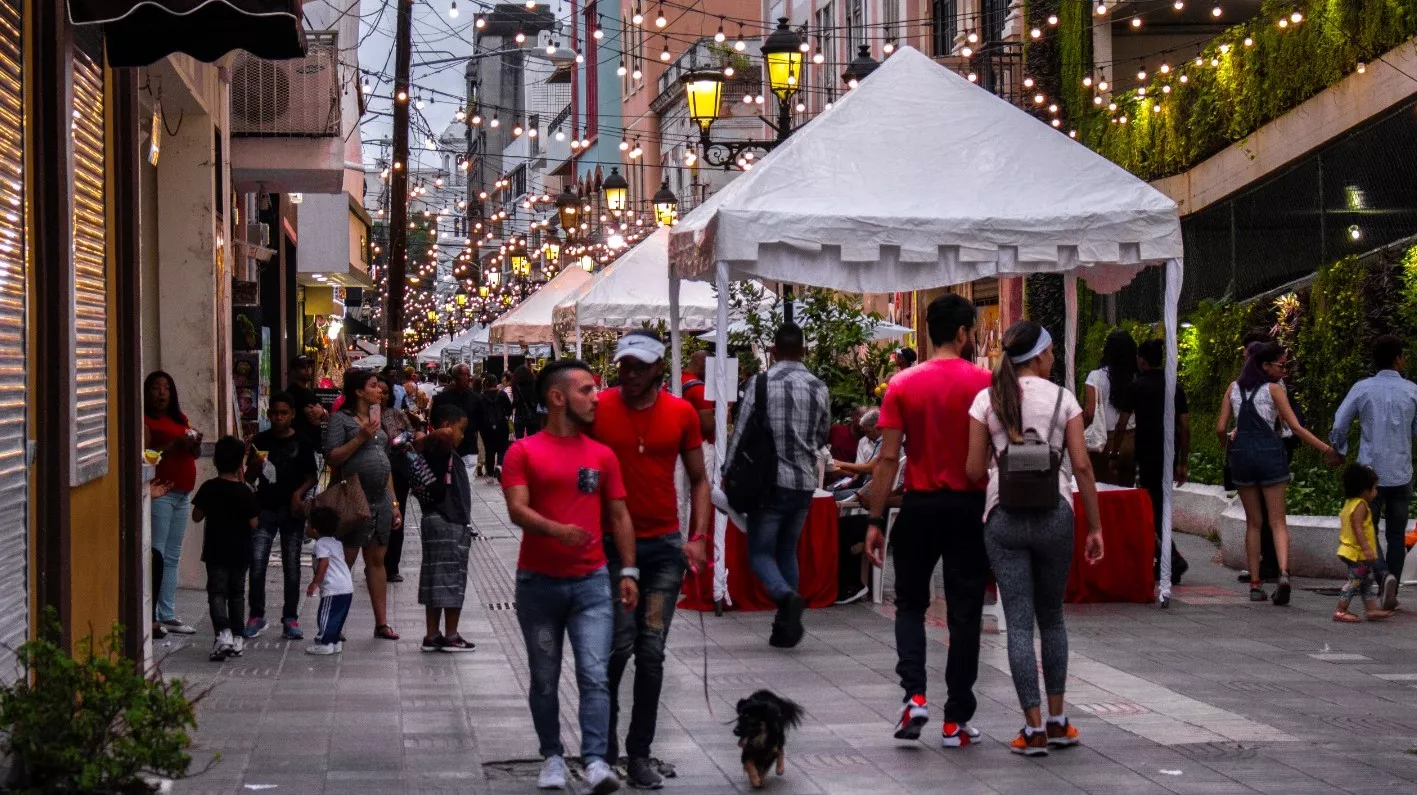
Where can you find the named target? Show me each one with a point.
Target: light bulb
(664, 55)
(1249, 42)
(1028, 82)
(1165, 69)
(1283, 22)
(758, 100)
(531, 5)
(719, 37)
(1038, 99)
(888, 47)
(1215, 12)
(418, 103)
(1102, 85)
(660, 21)
(1053, 108)
(1136, 22)
(1166, 89)
(585, 143)
(1052, 19)
(403, 96)
(520, 37)
(1141, 73)
(967, 52)
(1185, 79)
(516, 130)
(551, 48)
(739, 44)
(1296, 17)
(1179, 5)
(624, 146)
(804, 47)
(495, 122)
(480, 23)
(1101, 9)
(597, 34)
(817, 57)
(453, 10)
(973, 78)
(1087, 82)
(638, 18)
(801, 108)
(476, 119)
(622, 71)
(747, 99)
(1362, 67)
(1057, 122)
(1035, 33)
(637, 74)
(728, 71)
(366, 87)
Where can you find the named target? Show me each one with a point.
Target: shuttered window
(90, 459)
(14, 516)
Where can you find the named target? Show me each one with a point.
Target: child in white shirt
(332, 578)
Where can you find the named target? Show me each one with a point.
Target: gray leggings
(1031, 554)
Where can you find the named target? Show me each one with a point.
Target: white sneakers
(224, 646)
(324, 648)
(598, 775)
(553, 774)
(601, 778)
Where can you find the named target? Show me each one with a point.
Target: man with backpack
(795, 407)
(941, 517)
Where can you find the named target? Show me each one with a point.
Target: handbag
(346, 498)
(751, 476)
(1028, 469)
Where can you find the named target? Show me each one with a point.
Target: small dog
(763, 721)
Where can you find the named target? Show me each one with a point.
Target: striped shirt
(798, 413)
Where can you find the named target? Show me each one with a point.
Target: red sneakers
(913, 717)
(958, 735)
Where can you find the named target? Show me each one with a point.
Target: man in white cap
(650, 431)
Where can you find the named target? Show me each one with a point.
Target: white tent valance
(634, 290)
(530, 321)
(944, 183)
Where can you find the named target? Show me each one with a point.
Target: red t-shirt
(930, 403)
(648, 443)
(177, 465)
(696, 397)
(570, 478)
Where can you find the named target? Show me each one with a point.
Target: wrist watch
(876, 521)
(632, 572)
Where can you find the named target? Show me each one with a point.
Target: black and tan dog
(763, 721)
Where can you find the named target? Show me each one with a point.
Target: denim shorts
(1258, 466)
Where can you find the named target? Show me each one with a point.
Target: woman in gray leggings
(1031, 551)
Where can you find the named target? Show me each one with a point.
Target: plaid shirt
(798, 413)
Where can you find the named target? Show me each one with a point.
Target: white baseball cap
(641, 346)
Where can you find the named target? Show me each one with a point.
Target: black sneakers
(787, 628)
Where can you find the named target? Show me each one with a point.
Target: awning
(353, 325)
(141, 32)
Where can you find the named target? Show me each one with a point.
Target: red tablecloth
(816, 563)
(1128, 545)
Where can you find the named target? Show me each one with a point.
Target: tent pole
(578, 332)
(506, 349)
(1174, 275)
(720, 422)
(1070, 328)
(676, 364)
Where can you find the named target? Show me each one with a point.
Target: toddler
(332, 579)
(1358, 547)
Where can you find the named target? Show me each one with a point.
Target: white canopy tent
(880, 332)
(946, 183)
(530, 321)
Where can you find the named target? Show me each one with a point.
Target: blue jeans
(773, 531)
(169, 520)
(1392, 505)
(641, 634)
(548, 609)
(291, 531)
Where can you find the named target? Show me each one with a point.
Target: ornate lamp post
(568, 206)
(857, 70)
(703, 91)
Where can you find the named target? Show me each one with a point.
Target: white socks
(1058, 719)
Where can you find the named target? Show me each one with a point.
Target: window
(625, 56)
(944, 26)
(995, 12)
(826, 41)
(90, 263)
(855, 26)
(890, 20)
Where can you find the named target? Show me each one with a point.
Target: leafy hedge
(1237, 87)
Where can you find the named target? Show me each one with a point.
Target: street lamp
(857, 70)
(617, 191)
(567, 205)
(520, 264)
(666, 205)
(703, 92)
(553, 247)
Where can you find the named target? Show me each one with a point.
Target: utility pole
(398, 184)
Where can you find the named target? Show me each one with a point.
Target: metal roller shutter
(14, 514)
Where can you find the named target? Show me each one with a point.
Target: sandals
(385, 632)
(1345, 617)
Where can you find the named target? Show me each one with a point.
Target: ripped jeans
(641, 634)
(549, 609)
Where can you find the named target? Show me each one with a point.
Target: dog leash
(703, 630)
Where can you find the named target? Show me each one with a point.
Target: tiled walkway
(1214, 695)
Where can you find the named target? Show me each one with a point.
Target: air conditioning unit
(296, 98)
(259, 235)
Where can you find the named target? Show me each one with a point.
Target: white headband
(1044, 340)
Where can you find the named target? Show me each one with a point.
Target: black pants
(1269, 559)
(1151, 481)
(935, 526)
(495, 446)
(851, 530)
(641, 635)
(394, 553)
(226, 595)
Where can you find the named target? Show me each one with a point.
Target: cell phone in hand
(376, 413)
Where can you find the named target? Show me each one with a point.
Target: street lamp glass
(703, 92)
(782, 56)
(567, 205)
(617, 191)
(666, 205)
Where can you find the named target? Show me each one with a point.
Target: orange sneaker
(1035, 744)
(1062, 735)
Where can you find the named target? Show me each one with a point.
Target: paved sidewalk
(1214, 695)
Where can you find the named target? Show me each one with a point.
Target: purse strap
(1052, 425)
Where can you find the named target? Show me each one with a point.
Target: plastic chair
(878, 578)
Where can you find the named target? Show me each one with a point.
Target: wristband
(632, 572)
(876, 521)
(699, 537)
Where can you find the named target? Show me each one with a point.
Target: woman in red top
(168, 432)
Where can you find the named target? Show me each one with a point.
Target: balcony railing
(999, 65)
(296, 98)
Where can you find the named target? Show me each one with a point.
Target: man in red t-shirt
(941, 517)
(559, 484)
(692, 384)
(650, 431)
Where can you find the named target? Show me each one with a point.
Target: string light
(453, 10)
(622, 71)
(1052, 19)
(1136, 22)
(637, 74)
(888, 47)
(597, 34)
(659, 20)
(1216, 12)
(638, 18)
(520, 38)
(1179, 5)
(1036, 33)
(479, 23)
(1141, 73)
(728, 70)
(664, 54)
(718, 37)
(1101, 9)
(1249, 42)
(1165, 69)
(738, 43)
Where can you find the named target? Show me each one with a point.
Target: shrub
(92, 722)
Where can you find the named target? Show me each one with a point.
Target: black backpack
(751, 477)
